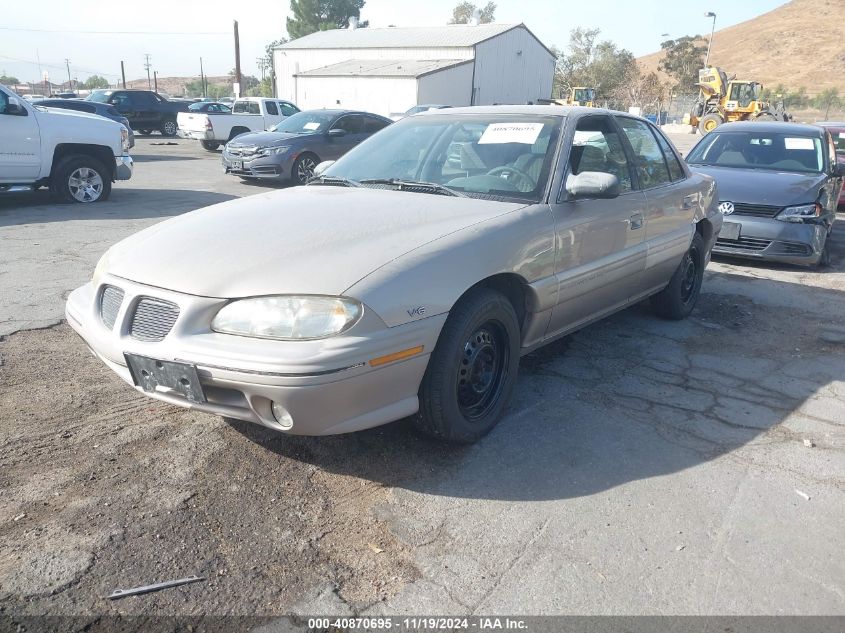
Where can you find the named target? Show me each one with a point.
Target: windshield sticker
(511, 133)
(798, 143)
(311, 125)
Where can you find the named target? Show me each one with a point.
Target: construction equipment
(578, 96)
(723, 100)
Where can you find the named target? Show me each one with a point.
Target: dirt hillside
(801, 43)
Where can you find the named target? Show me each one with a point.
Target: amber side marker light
(405, 353)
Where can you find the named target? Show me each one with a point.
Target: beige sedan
(409, 277)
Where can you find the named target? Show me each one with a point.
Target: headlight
(124, 138)
(269, 151)
(288, 317)
(800, 213)
(101, 268)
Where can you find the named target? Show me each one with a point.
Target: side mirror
(592, 184)
(337, 132)
(14, 109)
(319, 169)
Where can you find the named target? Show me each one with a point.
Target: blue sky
(204, 28)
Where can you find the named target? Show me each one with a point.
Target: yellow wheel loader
(723, 100)
(578, 96)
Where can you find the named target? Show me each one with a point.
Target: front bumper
(327, 386)
(123, 167)
(274, 166)
(772, 240)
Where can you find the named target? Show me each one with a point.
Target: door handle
(636, 221)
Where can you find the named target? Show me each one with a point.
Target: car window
(481, 155)
(675, 169)
(351, 123)
(121, 101)
(596, 146)
(271, 108)
(246, 107)
(777, 151)
(288, 109)
(373, 125)
(648, 158)
(140, 99)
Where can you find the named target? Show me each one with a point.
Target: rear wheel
(709, 122)
(168, 127)
(303, 168)
(471, 374)
(80, 178)
(678, 299)
(210, 145)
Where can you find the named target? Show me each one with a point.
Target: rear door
(373, 124)
(671, 200)
(600, 242)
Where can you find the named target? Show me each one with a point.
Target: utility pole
(147, 65)
(710, 14)
(69, 81)
(202, 81)
(155, 79)
(262, 66)
(237, 62)
(123, 74)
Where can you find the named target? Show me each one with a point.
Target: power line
(12, 28)
(58, 66)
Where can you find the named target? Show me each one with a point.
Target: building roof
(449, 36)
(383, 68)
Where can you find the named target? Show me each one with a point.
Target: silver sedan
(407, 278)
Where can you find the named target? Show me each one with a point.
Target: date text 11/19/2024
(417, 624)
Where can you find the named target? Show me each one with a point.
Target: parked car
(779, 184)
(91, 107)
(416, 110)
(145, 109)
(250, 114)
(291, 150)
(837, 133)
(210, 106)
(393, 285)
(66, 95)
(77, 155)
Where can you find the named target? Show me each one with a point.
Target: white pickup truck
(250, 114)
(78, 155)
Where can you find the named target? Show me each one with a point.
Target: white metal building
(388, 70)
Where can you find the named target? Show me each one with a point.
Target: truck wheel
(709, 122)
(303, 168)
(677, 300)
(168, 127)
(80, 178)
(210, 145)
(472, 371)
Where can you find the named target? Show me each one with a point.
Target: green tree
(95, 81)
(826, 100)
(247, 81)
(682, 60)
(9, 80)
(310, 16)
(595, 64)
(462, 13)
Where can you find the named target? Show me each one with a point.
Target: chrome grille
(241, 151)
(153, 319)
(744, 244)
(110, 301)
(758, 210)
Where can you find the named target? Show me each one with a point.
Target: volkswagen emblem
(726, 208)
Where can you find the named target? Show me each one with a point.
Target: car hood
(760, 186)
(313, 240)
(265, 139)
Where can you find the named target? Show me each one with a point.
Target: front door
(600, 242)
(20, 149)
(352, 125)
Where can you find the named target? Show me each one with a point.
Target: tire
(677, 300)
(80, 178)
(472, 372)
(168, 128)
(303, 169)
(210, 145)
(709, 122)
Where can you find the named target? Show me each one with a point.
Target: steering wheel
(521, 176)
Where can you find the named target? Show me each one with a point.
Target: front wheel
(168, 128)
(709, 122)
(80, 178)
(303, 169)
(210, 145)
(677, 300)
(472, 372)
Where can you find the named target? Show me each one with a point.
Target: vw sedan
(400, 282)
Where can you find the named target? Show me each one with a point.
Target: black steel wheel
(483, 369)
(678, 299)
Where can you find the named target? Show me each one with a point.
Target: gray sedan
(400, 283)
(292, 149)
(779, 187)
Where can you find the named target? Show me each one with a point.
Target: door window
(140, 100)
(121, 102)
(596, 146)
(352, 124)
(675, 170)
(648, 159)
(271, 108)
(288, 109)
(373, 125)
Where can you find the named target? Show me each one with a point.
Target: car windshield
(777, 151)
(305, 123)
(480, 155)
(100, 96)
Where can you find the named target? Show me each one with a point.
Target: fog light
(282, 416)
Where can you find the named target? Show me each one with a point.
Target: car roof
(770, 128)
(535, 110)
(338, 111)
